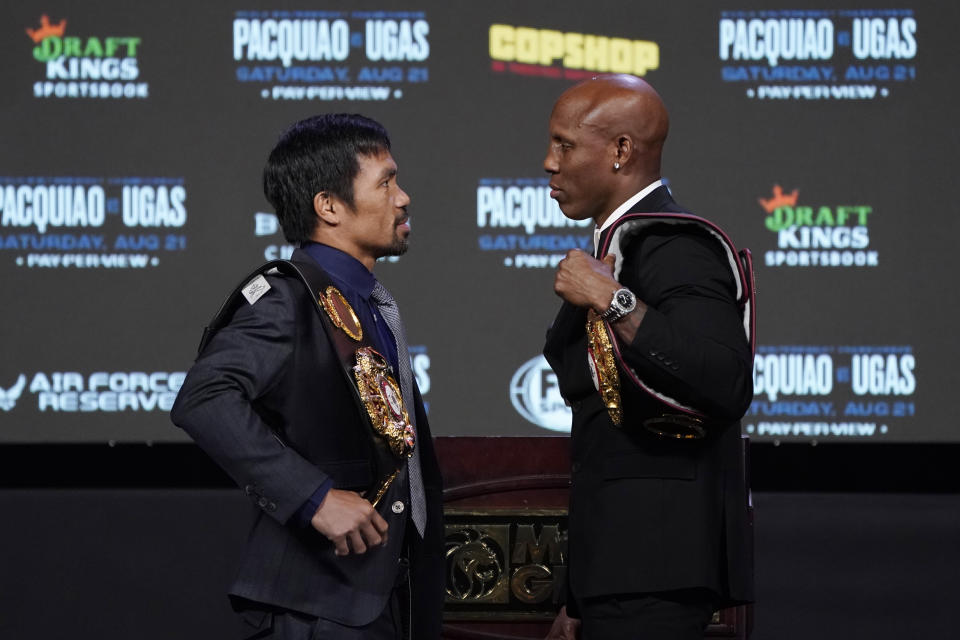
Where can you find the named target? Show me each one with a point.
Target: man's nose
(403, 198)
(550, 164)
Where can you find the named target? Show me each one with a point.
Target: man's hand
(584, 281)
(350, 522)
(564, 627)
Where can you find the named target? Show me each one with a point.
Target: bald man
(659, 535)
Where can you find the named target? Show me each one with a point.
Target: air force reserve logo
(535, 395)
(9, 397)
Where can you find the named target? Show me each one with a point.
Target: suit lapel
(565, 347)
(568, 322)
(656, 201)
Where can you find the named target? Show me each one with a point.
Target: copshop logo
(520, 223)
(85, 66)
(833, 54)
(531, 51)
(535, 394)
(331, 55)
(821, 235)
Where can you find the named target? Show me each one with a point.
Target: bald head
(617, 124)
(622, 105)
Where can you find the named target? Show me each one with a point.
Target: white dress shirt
(622, 209)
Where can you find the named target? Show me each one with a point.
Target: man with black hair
(303, 393)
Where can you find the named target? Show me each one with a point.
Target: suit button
(271, 507)
(262, 502)
(248, 489)
(397, 507)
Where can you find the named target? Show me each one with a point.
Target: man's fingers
(356, 542)
(350, 523)
(379, 523)
(370, 535)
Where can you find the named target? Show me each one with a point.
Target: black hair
(314, 155)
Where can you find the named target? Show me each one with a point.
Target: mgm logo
(504, 564)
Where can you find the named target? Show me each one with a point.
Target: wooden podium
(505, 507)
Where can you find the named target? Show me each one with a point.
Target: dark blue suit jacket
(267, 399)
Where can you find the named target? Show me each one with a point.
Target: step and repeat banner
(822, 137)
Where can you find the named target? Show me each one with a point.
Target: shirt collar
(343, 267)
(622, 209)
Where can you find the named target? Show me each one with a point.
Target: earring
(616, 166)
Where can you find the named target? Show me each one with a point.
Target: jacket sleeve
(216, 405)
(691, 344)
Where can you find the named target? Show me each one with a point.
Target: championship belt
(383, 402)
(369, 374)
(377, 394)
(603, 367)
(675, 419)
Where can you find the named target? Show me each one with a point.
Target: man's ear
(327, 207)
(625, 149)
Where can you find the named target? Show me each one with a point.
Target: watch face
(624, 298)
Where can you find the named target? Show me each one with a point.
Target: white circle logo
(535, 394)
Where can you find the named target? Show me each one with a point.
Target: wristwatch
(623, 303)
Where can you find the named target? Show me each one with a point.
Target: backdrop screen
(133, 139)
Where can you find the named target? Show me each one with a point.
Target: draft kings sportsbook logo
(104, 67)
(817, 235)
(531, 51)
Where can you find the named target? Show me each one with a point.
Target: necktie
(388, 309)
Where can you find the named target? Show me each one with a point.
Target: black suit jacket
(267, 399)
(647, 513)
